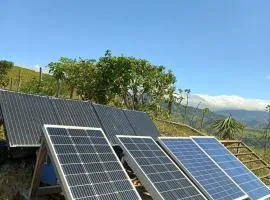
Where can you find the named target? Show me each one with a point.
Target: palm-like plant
(227, 128)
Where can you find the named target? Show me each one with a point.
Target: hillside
(22, 74)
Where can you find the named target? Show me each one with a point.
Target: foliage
(5, 66)
(134, 83)
(43, 87)
(227, 128)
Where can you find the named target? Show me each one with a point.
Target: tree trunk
(57, 88)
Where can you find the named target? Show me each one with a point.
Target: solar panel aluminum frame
(146, 182)
(63, 180)
(262, 198)
(179, 163)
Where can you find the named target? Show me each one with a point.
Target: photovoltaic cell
(158, 173)
(206, 174)
(253, 186)
(141, 123)
(75, 113)
(87, 165)
(113, 121)
(24, 116)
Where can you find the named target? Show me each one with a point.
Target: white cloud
(223, 102)
(268, 77)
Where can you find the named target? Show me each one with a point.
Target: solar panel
(141, 123)
(75, 113)
(24, 116)
(253, 186)
(199, 167)
(158, 173)
(87, 165)
(113, 121)
(1, 115)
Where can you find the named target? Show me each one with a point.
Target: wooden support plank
(231, 147)
(244, 154)
(48, 190)
(265, 176)
(41, 157)
(249, 161)
(258, 168)
(227, 142)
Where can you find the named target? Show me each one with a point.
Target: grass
(25, 74)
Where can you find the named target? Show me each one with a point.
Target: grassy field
(22, 74)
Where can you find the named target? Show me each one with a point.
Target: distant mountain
(254, 119)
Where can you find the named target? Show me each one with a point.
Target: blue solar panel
(206, 174)
(251, 184)
(158, 173)
(87, 165)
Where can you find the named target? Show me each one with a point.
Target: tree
(170, 99)
(187, 91)
(5, 66)
(57, 70)
(227, 128)
(205, 112)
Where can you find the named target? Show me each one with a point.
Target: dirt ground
(15, 176)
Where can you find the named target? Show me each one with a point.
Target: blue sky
(213, 47)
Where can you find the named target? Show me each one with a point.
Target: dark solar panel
(75, 113)
(24, 116)
(1, 115)
(251, 184)
(198, 166)
(114, 122)
(87, 165)
(141, 123)
(157, 172)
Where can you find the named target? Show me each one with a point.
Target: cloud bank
(225, 102)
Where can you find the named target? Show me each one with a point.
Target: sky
(218, 49)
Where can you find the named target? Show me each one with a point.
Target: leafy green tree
(43, 87)
(57, 71)
(205, 112)
(227, 128)
(5, 66)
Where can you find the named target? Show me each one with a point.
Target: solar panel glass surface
(87, 165)
(24, 116)
(157, 172)
(141, 123)
(209, 176)
(250, 183)
(113, 121)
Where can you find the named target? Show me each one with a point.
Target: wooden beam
(244, 154)
(258, 168)
(41, 157)
(254, 160)
(265, 176)
(48, 190)
(226, 142)
(230, 147)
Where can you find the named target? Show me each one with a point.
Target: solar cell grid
(24, 116)
(75, 113)
(161, 177)
(208, 176)
(113, 121)
(251, 184)
(87, 165)
(141, 123)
